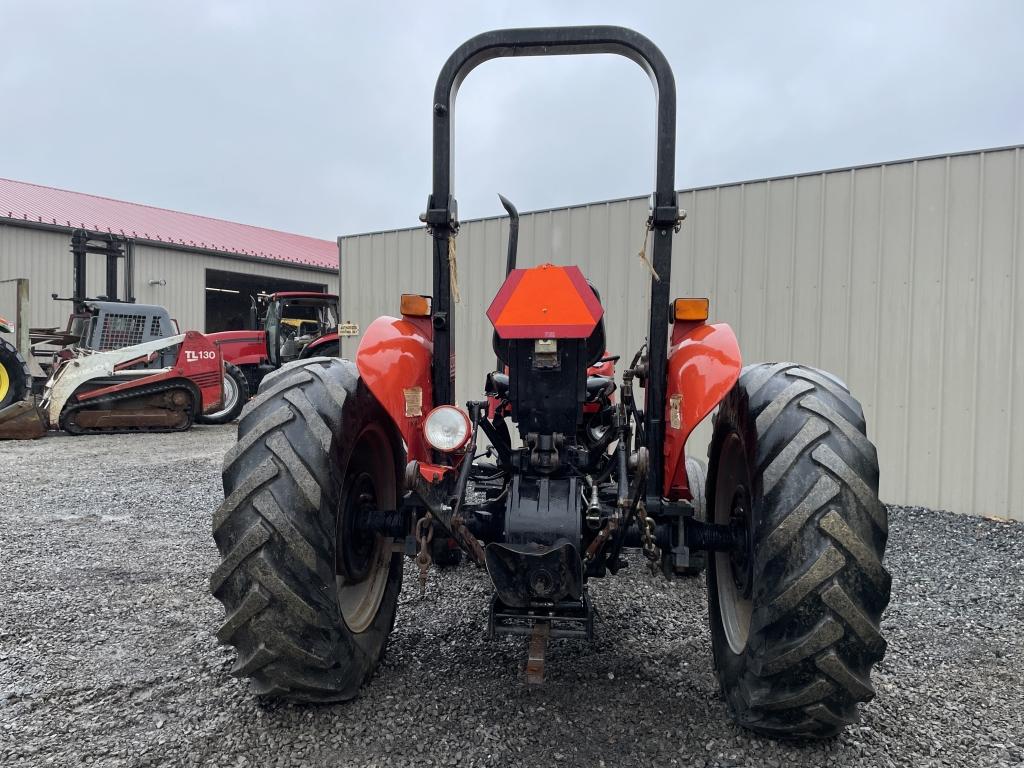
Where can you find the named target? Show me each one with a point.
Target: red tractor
(295, 325)
(342, 466)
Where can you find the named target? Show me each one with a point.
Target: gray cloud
(315, 117)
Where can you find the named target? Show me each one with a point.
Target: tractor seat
(496, 385)
(599, 387)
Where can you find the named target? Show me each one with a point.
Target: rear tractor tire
(795, 611)
(309, 597)
(236, 395)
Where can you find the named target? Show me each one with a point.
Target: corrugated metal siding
(902, 278)
(45, 259)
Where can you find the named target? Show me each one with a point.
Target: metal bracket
(435, 499)
(665, 216)
(437, 217)
(569, 618)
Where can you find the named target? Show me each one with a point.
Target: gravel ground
(107, 655)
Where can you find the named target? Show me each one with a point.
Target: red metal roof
(22, 201)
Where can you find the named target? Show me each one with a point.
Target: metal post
(663, 227)
(79, 243)
(443, 368)
(112, 259)
(21, 312)
(129, 272)
(342, 346)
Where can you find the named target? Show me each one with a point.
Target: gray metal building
(203, 270)
(904, 278)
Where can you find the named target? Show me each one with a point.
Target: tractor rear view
(341, 467)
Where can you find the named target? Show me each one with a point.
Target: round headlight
(446, 428)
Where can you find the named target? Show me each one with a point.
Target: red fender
(241, 347)
(319, 343)
(702, 368)
(394, 359)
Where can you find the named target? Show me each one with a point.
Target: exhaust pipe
(513, 234)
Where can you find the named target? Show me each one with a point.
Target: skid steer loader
(157, 386)
(117, 367)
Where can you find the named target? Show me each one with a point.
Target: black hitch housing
(530, 575)
(539, 563)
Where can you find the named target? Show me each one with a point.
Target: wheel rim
(363, 562)
(5, 383)
(733, 575)
(230, 398)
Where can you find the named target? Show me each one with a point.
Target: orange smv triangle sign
(545, 302)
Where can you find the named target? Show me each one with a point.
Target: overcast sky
(314, 117)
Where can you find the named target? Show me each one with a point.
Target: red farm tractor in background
(294, 325)
(341, 466)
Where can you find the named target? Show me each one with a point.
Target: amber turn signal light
(690, 309)
(414, 305)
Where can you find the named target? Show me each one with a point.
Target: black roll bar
(442, 211)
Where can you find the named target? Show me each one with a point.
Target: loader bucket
(22, 421)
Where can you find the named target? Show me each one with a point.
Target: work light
(447, 428)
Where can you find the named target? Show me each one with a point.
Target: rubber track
(67, 421)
